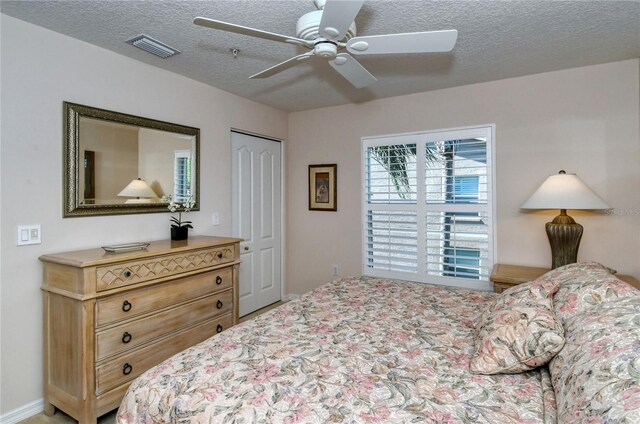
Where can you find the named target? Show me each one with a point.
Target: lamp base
(564, 237)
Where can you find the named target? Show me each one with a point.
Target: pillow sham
(578, 299)
(574, 275)
(583, 285)
(595, 375)
(518, 331)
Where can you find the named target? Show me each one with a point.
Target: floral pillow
(583, 286)
(596, 375)
(518, 331)
(522, 293)
(578, 299)
(577, 274)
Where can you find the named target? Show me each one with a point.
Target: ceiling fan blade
(352, 71)
(413, 42)
(337, 17)
(282, 66)
(239, 29)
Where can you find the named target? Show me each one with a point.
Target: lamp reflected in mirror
(140, 191)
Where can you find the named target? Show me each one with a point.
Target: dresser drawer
(128, 366)
(134, 333)
(132, 272)
(141, 301)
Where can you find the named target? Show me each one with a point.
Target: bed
(356, 350)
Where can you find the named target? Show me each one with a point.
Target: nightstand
(505, 276)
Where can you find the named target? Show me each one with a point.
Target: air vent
(152, 46)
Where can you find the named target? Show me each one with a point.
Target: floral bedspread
(357, 350)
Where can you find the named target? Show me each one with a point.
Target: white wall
(41, 69)
(583, 120)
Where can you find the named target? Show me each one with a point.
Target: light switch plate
(29, 234)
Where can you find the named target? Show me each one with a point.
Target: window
(465, 188)
(428, 207)
(181, 176)
(461, 262)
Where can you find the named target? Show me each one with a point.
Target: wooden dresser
(108, 317)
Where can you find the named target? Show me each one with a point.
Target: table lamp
(139, 189)
(564, 191)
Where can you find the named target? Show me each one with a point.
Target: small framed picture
(322, 187)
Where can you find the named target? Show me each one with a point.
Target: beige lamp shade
(138, 188)
(564, 191)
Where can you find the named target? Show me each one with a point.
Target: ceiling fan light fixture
(332, 29)
(326, 49)
(152, 46)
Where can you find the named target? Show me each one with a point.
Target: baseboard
(22, 413)
(289, 297)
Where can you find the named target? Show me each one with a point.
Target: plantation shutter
(182, 176)
(391, 220)
(427, 207)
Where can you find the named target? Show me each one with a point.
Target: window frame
(420, 207)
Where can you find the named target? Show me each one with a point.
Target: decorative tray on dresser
(109, 316)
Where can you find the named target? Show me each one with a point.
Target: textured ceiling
(497, 39)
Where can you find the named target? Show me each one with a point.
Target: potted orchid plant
(179, 228)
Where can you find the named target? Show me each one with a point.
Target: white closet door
(256, 218)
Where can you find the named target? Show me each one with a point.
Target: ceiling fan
(330, 30)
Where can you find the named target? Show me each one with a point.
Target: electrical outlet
(29, 234)
(335, 270)
(215, 218)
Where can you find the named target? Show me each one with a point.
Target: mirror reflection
(120, 163)
(131, 164)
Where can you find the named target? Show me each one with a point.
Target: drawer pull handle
(219, 304)
(218, 280)
(219, 255)
(126, 337)
(219, 328)
(126, 306)
(126, 369)
(127, 273)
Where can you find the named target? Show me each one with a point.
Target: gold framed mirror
(117, 163)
